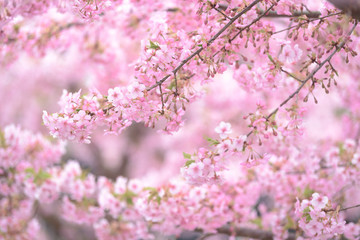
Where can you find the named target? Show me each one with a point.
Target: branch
(208, 44)
(308, 21)
(312, 74)
(338, 209)
(162, 100)
(343, 209)
(357, 137)
(291, 75)
(252, 233)
(246, 27)
(308, 14)
(52, 31)
(352, 7)
(219, 11)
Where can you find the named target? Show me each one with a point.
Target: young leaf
(154, 45)
(188, 163)
(187, 155)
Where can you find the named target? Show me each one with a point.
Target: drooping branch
(312, 74)
(245, 10)
(246, 27)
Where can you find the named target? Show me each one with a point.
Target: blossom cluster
(29, 8)
(131, 209)
(318, 219)
(155, 62)
(174, 62)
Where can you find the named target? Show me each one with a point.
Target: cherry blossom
(237, 117)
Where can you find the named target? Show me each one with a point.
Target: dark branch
(352, 7)
(294, 14)
(357, 137)
(252, 233)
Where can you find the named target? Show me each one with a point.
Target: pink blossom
(223, 129)
(136, 90)
(290, 54)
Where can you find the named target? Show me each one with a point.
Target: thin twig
(291, 75)
(219, 11)
(357, 137)
(176, 86)
(308, 21)
(347, 208)
(246, 27)
(162, 100)
(308, 12)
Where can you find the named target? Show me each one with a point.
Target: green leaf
(306, 210)
(154, 195)
(41, 177)
(154, 45)
(270, 58)
(17, 28)
(189, 162)
(342, 149)
(128, 197)
(30, 171)
(84, 174)
(308, 218)
(2, 139)
(306, 214)
(257, 222)
(302, 18)
(212, 142)
(290, 224)
(308, 192)
(171, 85)
(87, 202)
(151, 189)
(186, 155)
